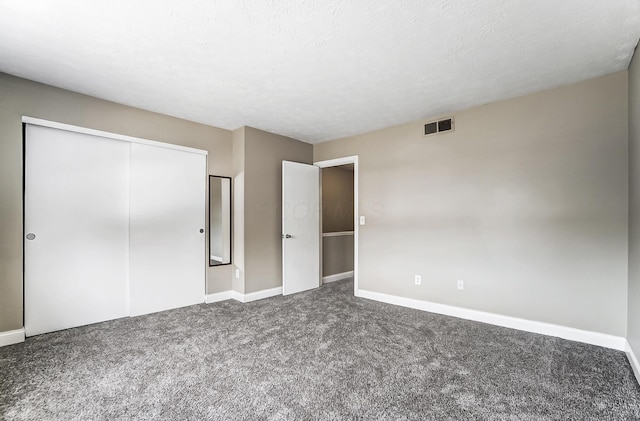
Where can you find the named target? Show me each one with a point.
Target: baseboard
(259, 295)
(243, 298)
(218, 296)
(11, 337)
(573, 334)
(633, 360)
(337, 277)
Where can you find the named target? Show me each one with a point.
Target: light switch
(362, 220)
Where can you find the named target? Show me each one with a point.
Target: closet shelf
(337, 233)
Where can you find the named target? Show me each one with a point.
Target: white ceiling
(314, 69)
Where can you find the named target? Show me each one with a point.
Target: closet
(114, 226)
(337, 223)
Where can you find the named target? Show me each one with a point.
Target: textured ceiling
(314, 69)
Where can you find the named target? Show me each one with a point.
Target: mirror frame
(211, 178)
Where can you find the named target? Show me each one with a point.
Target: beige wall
(260, 242)
(337, 199)
(20, 97)
(526, 202)
(634, 205)
(337, 255)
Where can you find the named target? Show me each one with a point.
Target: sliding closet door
(77, 229)
(167, 220)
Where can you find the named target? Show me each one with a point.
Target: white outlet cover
(460, 284)
(362, 220)
(418, 279)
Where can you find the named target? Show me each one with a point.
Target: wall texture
(21, 97)
(526, 202)
(633, 329)
(259, 169)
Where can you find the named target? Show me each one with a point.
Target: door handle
(287, 236)
(31, 236)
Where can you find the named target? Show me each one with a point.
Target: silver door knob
(31, 236)
(288, 236)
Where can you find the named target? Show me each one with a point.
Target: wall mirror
(219, 220)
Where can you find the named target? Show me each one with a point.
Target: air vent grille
(430, 128)
(439, 126)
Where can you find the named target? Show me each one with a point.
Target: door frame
(109, 135)
(336, 163)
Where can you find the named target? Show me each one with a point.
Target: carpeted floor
(321, 355)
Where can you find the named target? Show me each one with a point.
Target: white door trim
(116, 136)
(335, 163)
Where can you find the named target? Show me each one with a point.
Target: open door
(300, 227)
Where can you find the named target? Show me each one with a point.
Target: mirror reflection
(219, 220)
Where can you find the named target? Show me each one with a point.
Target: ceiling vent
(439, 126)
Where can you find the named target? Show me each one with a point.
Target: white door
(76, 227)
(300, 227)
(167, 217)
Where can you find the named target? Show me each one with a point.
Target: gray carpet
(321, 355)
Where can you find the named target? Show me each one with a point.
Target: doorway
(339, 226)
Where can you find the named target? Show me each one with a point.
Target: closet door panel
(77, 207)
(167, 212)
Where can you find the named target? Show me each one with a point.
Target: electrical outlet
(460, 284)
(418, 279)
(237, 273)
(362, 220)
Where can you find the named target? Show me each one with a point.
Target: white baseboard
(259, 295)
(219, 296)
(11, 337)
(337, 277)
(633, 360)
(243, 298)
(565, 332)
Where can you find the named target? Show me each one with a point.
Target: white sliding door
(167, 214)
(76, 227)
